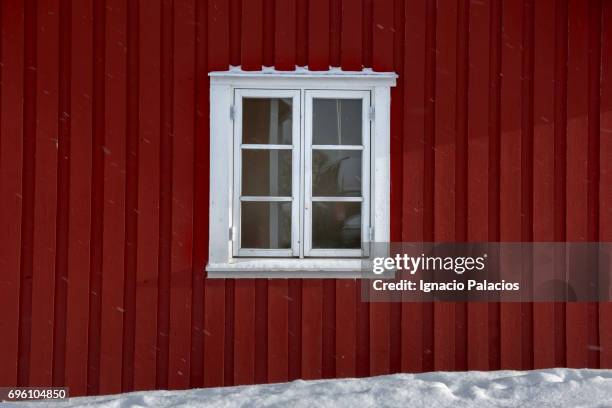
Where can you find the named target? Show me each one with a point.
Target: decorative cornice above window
(332, 77)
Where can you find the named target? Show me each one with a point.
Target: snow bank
(541, 388)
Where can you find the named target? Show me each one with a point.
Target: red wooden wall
(501, 130)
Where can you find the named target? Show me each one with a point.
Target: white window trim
(309, 95)
(295, 164)
(222, 263)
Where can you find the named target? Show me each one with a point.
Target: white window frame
(225, 260)
(309, 95)
(239, 94)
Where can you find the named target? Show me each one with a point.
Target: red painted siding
(501, 130)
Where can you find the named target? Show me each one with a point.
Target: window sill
(286, 268)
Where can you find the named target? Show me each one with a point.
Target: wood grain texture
(500, 131)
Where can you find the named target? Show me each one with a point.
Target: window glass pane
(266, 172)
(336, 173)
(336, 225)
(266, 225)
(336, 121)
(266, 120)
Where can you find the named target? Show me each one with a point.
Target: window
(336, 173)
(299, 171)
(267, 162)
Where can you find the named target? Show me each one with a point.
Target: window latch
(231, 233)
(232, 112)
(371, 113)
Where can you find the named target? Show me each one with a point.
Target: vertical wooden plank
(269, 30)
(28, 192)
(350, 48)
(395, 36)
(132, 137)
(244, 343)
(182, 193)
(215, 318)
(301, 52)
(362, 350)
(114, 200)
(593, 164)
(429, 170)
(229, 335)
(379, 312)
(200, 197)
(11, 150)
(261, 332)
(335, 29)
(295, 329)
(527, 159)
(214, 332)
(444, 191)
(328, 325)
(380, 331)
(148, 197)
(218, 35)
(252, 35)
(543, 168)
(382, 36)
(413, 327)
(510, 168)
(80, 198)
(478, 174)
(164, 278)
(45, 205)
(462, 103)
(397, 175)
(278, 329)
(605, 197)
(367, 30)
(63, 193)
(285, 35)
(235, 40)
(312, 334)
(461, 165)
(494, 169)
(577, 129)
(97, 196)
(318, 35)
(560, 165)
(345, 328)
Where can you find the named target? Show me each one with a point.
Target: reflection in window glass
(336, 225)
(266, 120)
(266, 225)
(266, 172)
(336, 121)
(336, 173)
